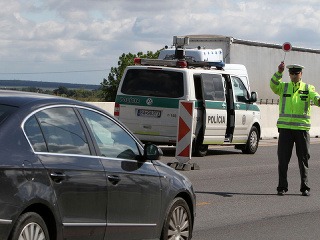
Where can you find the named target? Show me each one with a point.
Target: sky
(78, 41)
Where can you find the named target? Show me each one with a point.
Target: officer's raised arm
(281, 67)
(277, 79)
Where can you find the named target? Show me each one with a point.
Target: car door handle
(114, 179)
(224, 105)
(58, 177)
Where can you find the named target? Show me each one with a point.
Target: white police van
(225, 112)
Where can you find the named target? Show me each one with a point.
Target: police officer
(293, 123)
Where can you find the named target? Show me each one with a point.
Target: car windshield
(154, 83)
(5, 111)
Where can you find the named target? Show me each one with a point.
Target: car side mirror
(152, 152)
(254, 97)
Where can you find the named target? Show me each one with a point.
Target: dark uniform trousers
(287, 138)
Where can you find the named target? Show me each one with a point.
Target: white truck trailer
(261, 60)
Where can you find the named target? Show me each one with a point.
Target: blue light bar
(219, 64)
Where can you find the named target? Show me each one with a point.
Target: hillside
(19, 84)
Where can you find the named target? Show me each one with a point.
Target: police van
(225, 113)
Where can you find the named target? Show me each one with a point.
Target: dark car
(69, 170)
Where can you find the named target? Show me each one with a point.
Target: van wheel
(178, 222)
(199, 149)
(30, 226)
(252, 142)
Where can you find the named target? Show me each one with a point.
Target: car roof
(20, 98)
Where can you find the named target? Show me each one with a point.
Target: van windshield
(156, 83)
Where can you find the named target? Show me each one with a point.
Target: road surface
(236, 195)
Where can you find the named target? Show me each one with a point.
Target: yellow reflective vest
(294, 104)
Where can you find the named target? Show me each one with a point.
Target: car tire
(30, 226)
(253, 142)
(178, 222)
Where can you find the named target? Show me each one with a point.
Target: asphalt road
(236, 195)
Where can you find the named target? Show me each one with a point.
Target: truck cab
(225, 111)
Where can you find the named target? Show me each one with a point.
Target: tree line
(108, 87)
(78, 94)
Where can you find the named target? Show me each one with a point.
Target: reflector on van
(137, 61)
(116, 112)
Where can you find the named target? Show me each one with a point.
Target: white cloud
(92, 34)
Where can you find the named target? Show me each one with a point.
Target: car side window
(240, 92)
(61, 130)
(34, 134)
(112, 140)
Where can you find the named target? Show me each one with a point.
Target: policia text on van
(225, 113)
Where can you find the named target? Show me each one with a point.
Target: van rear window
(148, 82)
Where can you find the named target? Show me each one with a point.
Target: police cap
(295, 68)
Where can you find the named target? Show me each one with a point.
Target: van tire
(253, 141)
(199, 149)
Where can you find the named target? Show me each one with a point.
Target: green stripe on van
(242, 106)
(147, 101)
(174, 103)
(248, 107)
(215, 105)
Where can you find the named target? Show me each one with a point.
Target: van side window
(213, 87)
(240, 92)
(197, 86)
(149, 82)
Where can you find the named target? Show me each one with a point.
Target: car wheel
(30, 226)
(178, 223)
(252, 142)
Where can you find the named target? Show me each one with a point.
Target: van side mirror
(152, 152)
(254, 97)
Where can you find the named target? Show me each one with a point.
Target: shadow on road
(231, 194)
(171, 151)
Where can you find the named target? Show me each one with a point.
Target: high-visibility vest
(294, 104)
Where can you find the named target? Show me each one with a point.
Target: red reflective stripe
(188, 107)
(185, 152)
(183, 129)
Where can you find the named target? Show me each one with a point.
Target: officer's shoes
(305, 193)
(281, 192)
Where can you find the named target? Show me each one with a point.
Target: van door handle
(58, 177)
(224, 105)
(237, 106)
(114, 179)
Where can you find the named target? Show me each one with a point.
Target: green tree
(62, 90)
(110, 85)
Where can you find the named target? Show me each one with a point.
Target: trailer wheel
(252, 142)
